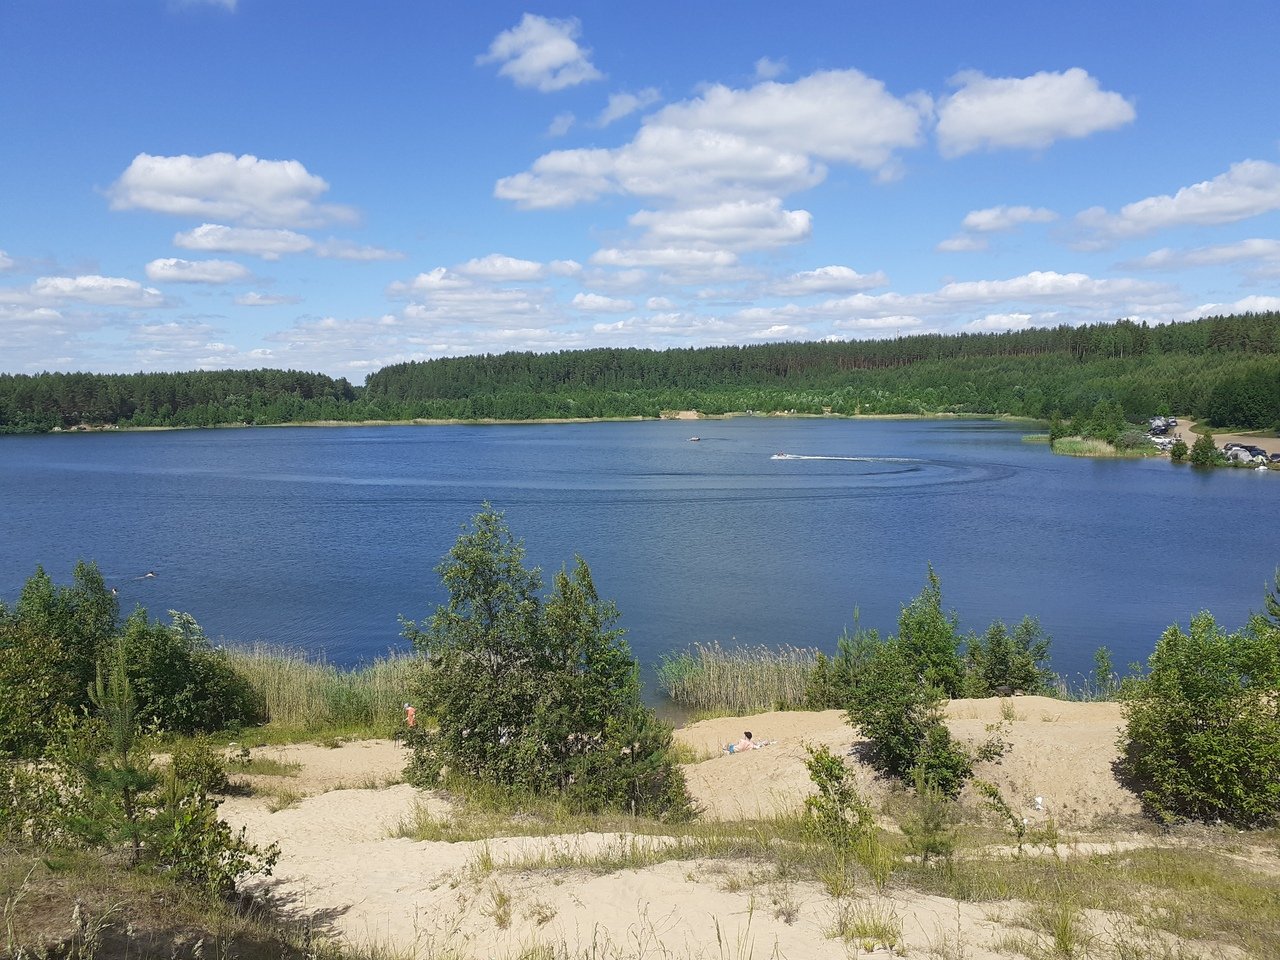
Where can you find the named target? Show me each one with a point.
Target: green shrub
(930, 639)
(182, 684)
(196, 763)
(1000, 659)
(902, 718)
(837, 813)
(1178, 452)
(532, 695)
(1203, 732)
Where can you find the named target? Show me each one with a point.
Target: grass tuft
(741, 680)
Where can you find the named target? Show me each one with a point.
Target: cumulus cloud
(173, 270)
(999, 322)
(624, 104)
(1248, 188)
(565, 268)
(659, 303)
(542, 53)
(498, 267)
(1253, 304)
(245, 189)
(736, 224)
(596, 303)
(1027, 112)
(255, 299)
(764, 141)
(1259, 257)
(832, 279)
(992, 219)
(269, 244)
(88, 289)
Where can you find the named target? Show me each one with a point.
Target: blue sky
(337, 186)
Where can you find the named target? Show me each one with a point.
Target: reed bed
(301, 693)
(709, 678)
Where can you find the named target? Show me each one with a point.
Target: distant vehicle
(694, 439)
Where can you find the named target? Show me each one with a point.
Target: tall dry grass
(305, 694)
(740, 680)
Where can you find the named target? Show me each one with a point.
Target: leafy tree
(1000, 659)
(1178, 452)
(901, 716)
(535, 696)
(1203, 732)
(929, 639)
(1204, 452)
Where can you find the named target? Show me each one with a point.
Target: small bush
(1178, 452)
(1018, 661)
(196, 763)
(1203, 732)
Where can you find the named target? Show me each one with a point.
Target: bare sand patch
(341, 866)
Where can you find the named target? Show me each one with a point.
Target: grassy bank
(709, 679)
(1093, 447)
(308, 699)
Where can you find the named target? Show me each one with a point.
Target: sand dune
(340, 864)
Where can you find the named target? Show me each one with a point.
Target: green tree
(1178, 452)
(929, 639)
(1203, 733)
(532, 695)
(901, 716)
(1204, 452)
(1018, 661)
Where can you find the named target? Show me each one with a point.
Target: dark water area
(320, 538)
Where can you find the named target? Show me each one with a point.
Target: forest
(1224, 369)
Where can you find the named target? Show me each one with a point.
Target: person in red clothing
(410, 716)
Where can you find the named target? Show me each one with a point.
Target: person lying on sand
(746, 743)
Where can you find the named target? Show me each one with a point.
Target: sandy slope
(340, 865)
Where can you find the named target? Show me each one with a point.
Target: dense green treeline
(35, 404)
(1222, 369)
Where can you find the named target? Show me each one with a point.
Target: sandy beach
(340, 864)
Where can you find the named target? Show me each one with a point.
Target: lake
(320, 538)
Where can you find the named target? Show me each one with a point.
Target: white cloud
(1248, 188)
(245, 189)
(595, 303)
(770, 69)
(727, 144)
(659, 303)
(737, 224)
(173, 270)
(832, 279)
(1260, 257)
(565, 268)
(497, 267)
(994, 219)
(334, 249)
(265, 243)
(963, 243)
(6, 262)
(624, 104)
(1044, 284)
(542, 53)
(92, 289)
(1253, 304)
(561, 124)
(999, 322)
(255, 299)
(1028, 112)
(663, 257)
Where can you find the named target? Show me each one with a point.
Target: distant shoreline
(680, 415)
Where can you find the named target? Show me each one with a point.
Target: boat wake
(801, 456)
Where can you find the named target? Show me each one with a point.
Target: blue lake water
(321, 538)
